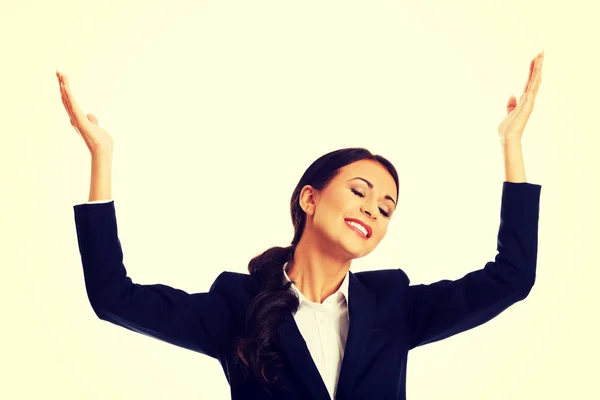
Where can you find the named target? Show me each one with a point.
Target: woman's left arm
(442, 309)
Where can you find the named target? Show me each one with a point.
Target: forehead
(372, 171)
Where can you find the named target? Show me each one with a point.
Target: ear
(308, 199)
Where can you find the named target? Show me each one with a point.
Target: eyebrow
(371, 187)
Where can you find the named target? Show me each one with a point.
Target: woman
(301, 325)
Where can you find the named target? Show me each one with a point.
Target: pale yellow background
(217, 108)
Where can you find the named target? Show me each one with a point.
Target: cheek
(336, 208)
(381, 232)
(330, 219)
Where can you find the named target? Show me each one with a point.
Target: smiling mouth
(358, 229)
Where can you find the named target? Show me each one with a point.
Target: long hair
(259, 351)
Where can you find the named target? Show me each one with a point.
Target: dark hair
(260, 350)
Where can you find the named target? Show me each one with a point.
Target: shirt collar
(343, 289)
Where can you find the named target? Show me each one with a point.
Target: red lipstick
(367, 227)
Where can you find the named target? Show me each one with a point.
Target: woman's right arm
(197, 321)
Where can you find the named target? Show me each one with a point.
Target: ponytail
(259, 351)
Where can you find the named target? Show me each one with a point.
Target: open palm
(96, 138)
(513, 125)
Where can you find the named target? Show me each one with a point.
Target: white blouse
(324, 328)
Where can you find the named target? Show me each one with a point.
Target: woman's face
(351, 214)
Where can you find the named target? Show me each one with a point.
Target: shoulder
(382, 280)
(237, 290)
(231, 280)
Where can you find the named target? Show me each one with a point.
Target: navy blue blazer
(388, 315)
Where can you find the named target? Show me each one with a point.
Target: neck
(315, 272)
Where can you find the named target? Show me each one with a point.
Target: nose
(369, 214)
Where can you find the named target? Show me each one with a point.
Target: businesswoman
(301, 325)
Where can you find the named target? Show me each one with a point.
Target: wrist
(100, 184)
(102, 153)
(510, 141)
(514, 168)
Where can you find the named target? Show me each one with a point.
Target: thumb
(92, 119)
(512, 104)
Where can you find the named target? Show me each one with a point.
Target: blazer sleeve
(195, 321)
(442, 309)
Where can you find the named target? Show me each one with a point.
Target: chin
(348, 245)
(354, 250)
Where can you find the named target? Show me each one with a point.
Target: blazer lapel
(299, 356)
(361, 309)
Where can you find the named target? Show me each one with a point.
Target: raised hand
(512, 127)
(96, 138)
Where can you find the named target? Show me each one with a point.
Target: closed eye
(382, 211)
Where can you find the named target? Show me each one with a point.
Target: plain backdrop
(217, 108)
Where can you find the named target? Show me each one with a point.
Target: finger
(531, 68)
(538, 76)
(74, 107)
(63, 97)
(92, 119)
(512, 104)
(72, 119)
(63, 93)
(65, 101)
(528, 97)
(535, 84)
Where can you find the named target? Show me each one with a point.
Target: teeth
(359, 226)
